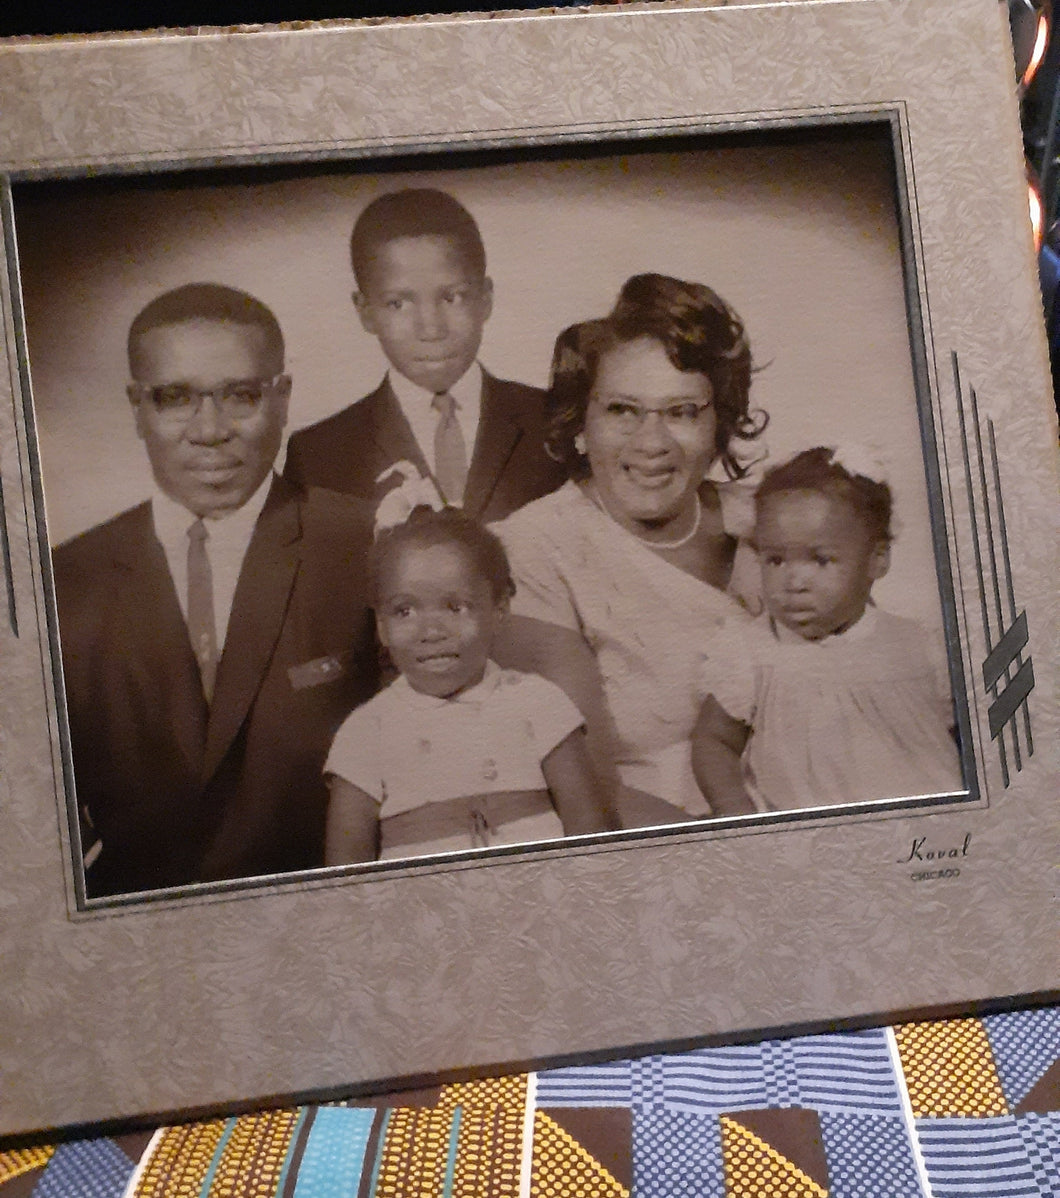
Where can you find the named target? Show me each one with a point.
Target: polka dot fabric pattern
(20, 1161)
(869, 1156)
(182, 1157)
(333, 1151)
(255, 1154)
(1025, 1044)
(485, 1095)
(85, 1169)
(754, 1168)
(563, 1168)
(677, 1155)
(957, 1108)
(949, 1069)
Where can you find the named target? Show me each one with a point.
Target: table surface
(959, 1108)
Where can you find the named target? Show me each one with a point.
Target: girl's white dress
(411, 752)
(862, 715)
(648, 623)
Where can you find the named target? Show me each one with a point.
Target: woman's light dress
(649, 624)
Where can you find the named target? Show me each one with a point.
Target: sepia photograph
(406, 512)
(523, 543)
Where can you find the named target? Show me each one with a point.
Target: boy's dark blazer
(509, 466)
(178, 791)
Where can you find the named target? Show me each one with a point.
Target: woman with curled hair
(623, 574)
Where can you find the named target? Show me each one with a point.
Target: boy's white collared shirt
(417, 406)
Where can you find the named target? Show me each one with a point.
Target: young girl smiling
(456, 753)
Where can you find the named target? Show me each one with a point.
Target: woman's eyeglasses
(236, 400)
(626, 417)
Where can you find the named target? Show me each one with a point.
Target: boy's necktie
(201, 626)
(450, 452)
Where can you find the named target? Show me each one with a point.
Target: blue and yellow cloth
(962, 1108)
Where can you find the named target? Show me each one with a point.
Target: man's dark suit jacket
(509, 466)
(176, 790)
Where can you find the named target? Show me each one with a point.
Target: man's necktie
(201, 626)
(450, 452)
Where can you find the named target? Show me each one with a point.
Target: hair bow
(413, 491)
(859, 459)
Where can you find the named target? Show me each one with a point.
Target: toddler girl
(824, 698)
(456, 753)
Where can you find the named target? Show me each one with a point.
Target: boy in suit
(423, 291)
(214, 637)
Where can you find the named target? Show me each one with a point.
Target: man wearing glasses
(215, 636)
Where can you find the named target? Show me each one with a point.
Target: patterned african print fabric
(963, 1108)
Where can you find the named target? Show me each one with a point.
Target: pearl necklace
(681, 540)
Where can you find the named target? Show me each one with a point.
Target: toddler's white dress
(457, 773)
(862, 715)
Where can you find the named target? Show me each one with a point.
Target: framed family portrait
(525, 538)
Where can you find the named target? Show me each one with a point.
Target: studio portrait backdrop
(798, 232)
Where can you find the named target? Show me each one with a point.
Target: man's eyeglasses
(626, 417)
(238, 399)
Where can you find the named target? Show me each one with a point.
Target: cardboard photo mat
(889, 295)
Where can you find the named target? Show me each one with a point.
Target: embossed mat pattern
(964, 1107)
